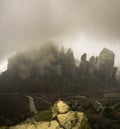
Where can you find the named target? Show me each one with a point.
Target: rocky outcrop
(68, 119)
(67, 63)
(92, 67)
(84, 67)
(61, 107)
(105, 64)
(48, 68)
(114, 72)
(61, 118)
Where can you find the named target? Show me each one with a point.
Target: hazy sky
(84, 25)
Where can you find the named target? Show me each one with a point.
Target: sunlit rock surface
(64, 119)
(39, 125)
(67, 120)
(62, 107)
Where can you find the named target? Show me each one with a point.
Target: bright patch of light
(3, 66)
(82, 44)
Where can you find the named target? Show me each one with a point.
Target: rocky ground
(58, 117)
(103, 112)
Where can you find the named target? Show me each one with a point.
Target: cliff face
(59, 116)
(105, 64)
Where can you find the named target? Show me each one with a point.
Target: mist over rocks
(51, 67)
(39, 61)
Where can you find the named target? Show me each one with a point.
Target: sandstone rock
(48, 125)
(67, 120)
(39, 125)
(24, 126)
(62, 107)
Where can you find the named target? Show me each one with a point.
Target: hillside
(40, 77)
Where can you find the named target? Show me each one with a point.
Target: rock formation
(67, 63)
(51, 68)
(62, 61)
(61, 118)
(92, 67)
(70, 64)
(105, 64)
(84, 67)
(114, 72)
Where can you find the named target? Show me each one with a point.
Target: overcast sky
(84, 25)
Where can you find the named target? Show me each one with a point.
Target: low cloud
(27, 24)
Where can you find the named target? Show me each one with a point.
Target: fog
(83, 25)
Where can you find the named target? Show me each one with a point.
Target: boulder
(67, 120)
(62, 107)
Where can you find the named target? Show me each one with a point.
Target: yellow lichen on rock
(39, 125)
(48, 125)
(62, 107)
(67, 120)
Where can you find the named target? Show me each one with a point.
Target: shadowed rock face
(67, 63)
(114, 72)
(44, 61)
(84, 66)
(92, 66)
(105, 63)
(66, 120)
